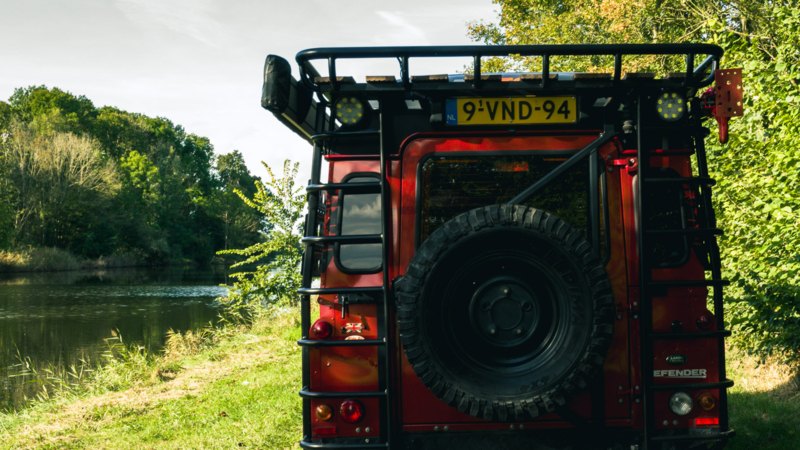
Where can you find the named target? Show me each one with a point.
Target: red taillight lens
(326, 431)
(705, 321)
(351, 411)
(707, 401)
(322, 329)
(324, 412)
(707, 421)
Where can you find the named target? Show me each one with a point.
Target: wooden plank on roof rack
(592, 76)
(443, 78)
(537, 76)
(343, 80)
(484, 77)
(381, 79)
(639, 76)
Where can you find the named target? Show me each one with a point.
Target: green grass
(237, 388)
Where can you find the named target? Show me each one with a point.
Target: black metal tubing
(692, 335)
(688, 283)
(349, 239)
(305, 393)
(327, 446)
(692, 386)
(341, 290)
(334, 134)
(590, 149)
(689, 231)
(697, 437)
(349, 188)
(385, 352)
(478, 51)
(342, 343)
(698, 181)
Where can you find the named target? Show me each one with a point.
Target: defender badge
(677, 360)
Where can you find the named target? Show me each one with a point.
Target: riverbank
(51, 259)
(236, 387)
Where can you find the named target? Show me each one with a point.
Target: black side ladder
(708, 231)
(310, 241)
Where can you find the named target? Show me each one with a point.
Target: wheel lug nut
(492, 330)
(527, 306)
(518, 331)
(506, 290)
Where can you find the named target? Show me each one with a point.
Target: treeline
(103, 181)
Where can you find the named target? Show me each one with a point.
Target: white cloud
(403, 33)
(193, 18)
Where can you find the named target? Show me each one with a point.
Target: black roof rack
(691, 74)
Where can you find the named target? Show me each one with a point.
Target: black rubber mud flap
(505, 312)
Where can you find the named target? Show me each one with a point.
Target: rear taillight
(707, 401)
(705, 321)
(322, 329)
(324, 412)
(707, 421)
(351, 411)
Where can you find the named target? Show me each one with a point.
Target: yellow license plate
(510, 110)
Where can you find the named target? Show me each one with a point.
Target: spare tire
(505, 312)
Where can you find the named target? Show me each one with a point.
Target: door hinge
(632, 310)
(630, 164)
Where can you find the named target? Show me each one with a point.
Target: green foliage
(144, 187)
(758, 187)
(277, 277)
(757, 199)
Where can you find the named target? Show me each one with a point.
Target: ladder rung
(693, 335)
(340, 290)
(335, 134)
(692, 386)
(354, 239)
(688, 283)
(327, 446)
(350, 188)
(368, 394)
(689, 231)
(340, 343)
(715, 436)
(705, 181)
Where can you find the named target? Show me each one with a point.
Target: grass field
(238, 389)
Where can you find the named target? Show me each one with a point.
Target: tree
(276, 280)
(757, 198)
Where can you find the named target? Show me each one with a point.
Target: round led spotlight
(670, 106)
(681, 403)
(350, 110)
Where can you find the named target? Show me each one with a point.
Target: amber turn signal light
(707, 401)
(351, 411)
(324, 412)
(322, 329)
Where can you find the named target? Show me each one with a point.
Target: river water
(60, 319)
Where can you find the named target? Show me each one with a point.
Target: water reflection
(62, 318)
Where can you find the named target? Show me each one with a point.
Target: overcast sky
(199, 62)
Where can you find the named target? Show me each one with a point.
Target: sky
(199, 62)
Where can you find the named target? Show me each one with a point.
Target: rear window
(360, 214)
(453, 184)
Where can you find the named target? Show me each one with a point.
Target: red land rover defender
(510, 261)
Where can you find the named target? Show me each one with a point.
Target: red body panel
(354, 369)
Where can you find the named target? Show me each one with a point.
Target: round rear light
(707, 401)
(322, 329)
(705, 321)
(681, 403)
(324, 412)
(351, 411)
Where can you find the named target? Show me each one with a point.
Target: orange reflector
(324, 431)
(707, 421)
(324, 412)
(707, 401)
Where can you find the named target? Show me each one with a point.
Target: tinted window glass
(361, 214)
(451, 185)
(667, 210)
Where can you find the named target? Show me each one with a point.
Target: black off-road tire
(561, 297)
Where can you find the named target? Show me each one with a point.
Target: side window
(668, 210)
(359, 214)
